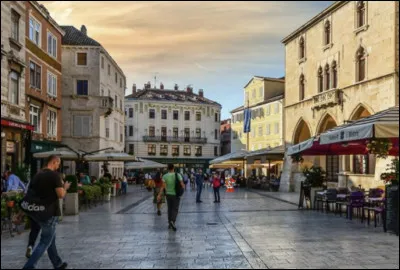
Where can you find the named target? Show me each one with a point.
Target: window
(175, 132)
(260, 92)
(116, 77)
(121, 135)
(35, 75)
(14, 87)
(164, 133)
(130, 112)
(82, 87)
(198, 133)
(130, 131)
(302, 52)
(131, 149)
(51, 84)
(120, 104)
(163, 149)
(51, 44)
(15, 25)
(268, 129)
(187, 134)
(152, 131)
(216, 151)
(34, 31)
(126, 131)
(320, 81)
(360, 64)
(276, 128)
(361, 164)
(187, 115)
(120, 82)
(327, 77)
(327, 33)
(102, 62)
(35, 118)
(253, 93)
(151, 149)
(267, 110)
(216, 134)
(198, 150)
(115, 131)
(334, 75)
(260, 131)
(301, 87)
(109, 69)
(164, 114)
(102, 92)
(176, 115)
(198, 116)
(82, 126)
(276, 108)
(116, 101)
(360, 13)
(186, 150)
(152, 114)
(216, 117)
(107, 132)
(175, 150)
(81, 59)
(52, 123)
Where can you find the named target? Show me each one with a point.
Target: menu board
(392, 209)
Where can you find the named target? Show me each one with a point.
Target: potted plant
(72, 199)
(106, 186)
(315, 177)
(391, 176)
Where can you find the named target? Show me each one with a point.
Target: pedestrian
(45, 190)
(199, 184)
(158, 185)
(169, 185)
(124, 184)
(185, 179)
(84, 179)
(13, 182)
(216, 186)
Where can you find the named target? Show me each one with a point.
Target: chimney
(133, 89)
(201, 93)
(161, 86)
(176, 87)
(84, 30)
(189, 89)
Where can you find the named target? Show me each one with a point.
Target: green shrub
(23, 172)
(315, 176)
(88, 192)
(74, 183)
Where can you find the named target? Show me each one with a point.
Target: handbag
(178, 188)
(35, 208)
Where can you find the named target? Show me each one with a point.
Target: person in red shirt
(216, 185)
(158, 184)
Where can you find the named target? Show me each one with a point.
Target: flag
(247, 121)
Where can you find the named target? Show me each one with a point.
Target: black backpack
(178, 188)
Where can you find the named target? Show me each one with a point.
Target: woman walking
(216, 185)
(158, 184)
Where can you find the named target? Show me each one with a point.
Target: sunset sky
(216, 46)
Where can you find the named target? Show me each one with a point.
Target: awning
(228, 164)
(238, 155)
(63, 153)
(265, 165)
(300, 147)
(144, 164)
(15, 124)
(110, 156)
(276, 152)
(384, 124)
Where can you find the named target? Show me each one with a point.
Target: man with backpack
(174, 186)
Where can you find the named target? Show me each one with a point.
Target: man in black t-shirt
(45, 189)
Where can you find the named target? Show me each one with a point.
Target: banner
(351, 133)
(247, 121)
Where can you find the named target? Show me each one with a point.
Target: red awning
(9, 123)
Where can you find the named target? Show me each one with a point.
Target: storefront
(15, 144)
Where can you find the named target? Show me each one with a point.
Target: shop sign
(10, 146)
(16, 125)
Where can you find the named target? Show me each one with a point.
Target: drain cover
(212, 223)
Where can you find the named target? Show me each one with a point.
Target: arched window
(327, 31)
(320, 80)
(301, 87)
(327, 77)
(360, 13)
(302, 48)
(334, 75)
(360, 64)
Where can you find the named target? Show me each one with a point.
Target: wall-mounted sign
(10, 146)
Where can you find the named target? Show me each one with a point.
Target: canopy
(144, 164)
(110, 156)
(231, 156)
(227, 165)
(63, 153)
(276, 152)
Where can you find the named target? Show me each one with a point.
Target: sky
(215, 46)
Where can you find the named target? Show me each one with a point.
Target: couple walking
(217, 181)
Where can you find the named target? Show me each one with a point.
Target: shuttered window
(82, 126)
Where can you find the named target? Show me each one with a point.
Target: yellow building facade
(341, 66)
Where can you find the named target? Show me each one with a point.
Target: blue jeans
(124, 186)
(199, 189)
(47, 242)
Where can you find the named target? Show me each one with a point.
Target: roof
(75, 37)
(170, 95)
(260, 103)
(266, 79)
(315, 19)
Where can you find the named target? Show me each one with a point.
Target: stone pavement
(246, 230)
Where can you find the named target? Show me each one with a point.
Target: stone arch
(360, 111)
(302, 132)
(327, 122)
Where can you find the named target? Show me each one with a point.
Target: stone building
(93, 98)
(43, 81)
(341, 65)
(172, 126)
(225, 135)
(15, 129)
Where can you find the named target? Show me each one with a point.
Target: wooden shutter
(86, 126)
(77, 125)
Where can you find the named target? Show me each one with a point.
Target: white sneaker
(28, 253)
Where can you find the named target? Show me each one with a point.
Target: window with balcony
(187, 116)
(152, 131)
(198, 151)
(51, 85)
(82, 87)
(186, 150)
(198, 116)
(175, 132)
(152, 113)
(14, 87)
(35, 118)
(130, 112)
(131, 149)
(164, 150)
(176, 115)
(198, 133)
(81, 59)
(52, 45)
(35, 75)
(187, 134)
(164, 134)
(34, 31)
(151, 148)
(164, 114)
(15, 25)
(175, 150)
(51, 123)
(130, 131)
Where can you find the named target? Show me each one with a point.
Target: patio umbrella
(110, 156)
(144, 164)
(63, 153)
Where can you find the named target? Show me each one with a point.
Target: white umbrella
(110, 156)
(63, 153)
(144, 164)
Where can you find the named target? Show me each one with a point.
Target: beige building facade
(341, 66)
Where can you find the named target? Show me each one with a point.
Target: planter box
(313, 190)
(72, 204)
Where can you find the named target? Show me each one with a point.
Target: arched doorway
(302, 132)
(332, 162)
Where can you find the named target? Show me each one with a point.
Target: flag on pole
(247, 121)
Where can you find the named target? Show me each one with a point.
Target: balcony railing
(173, 139)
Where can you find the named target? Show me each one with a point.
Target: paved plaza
(248, 229)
